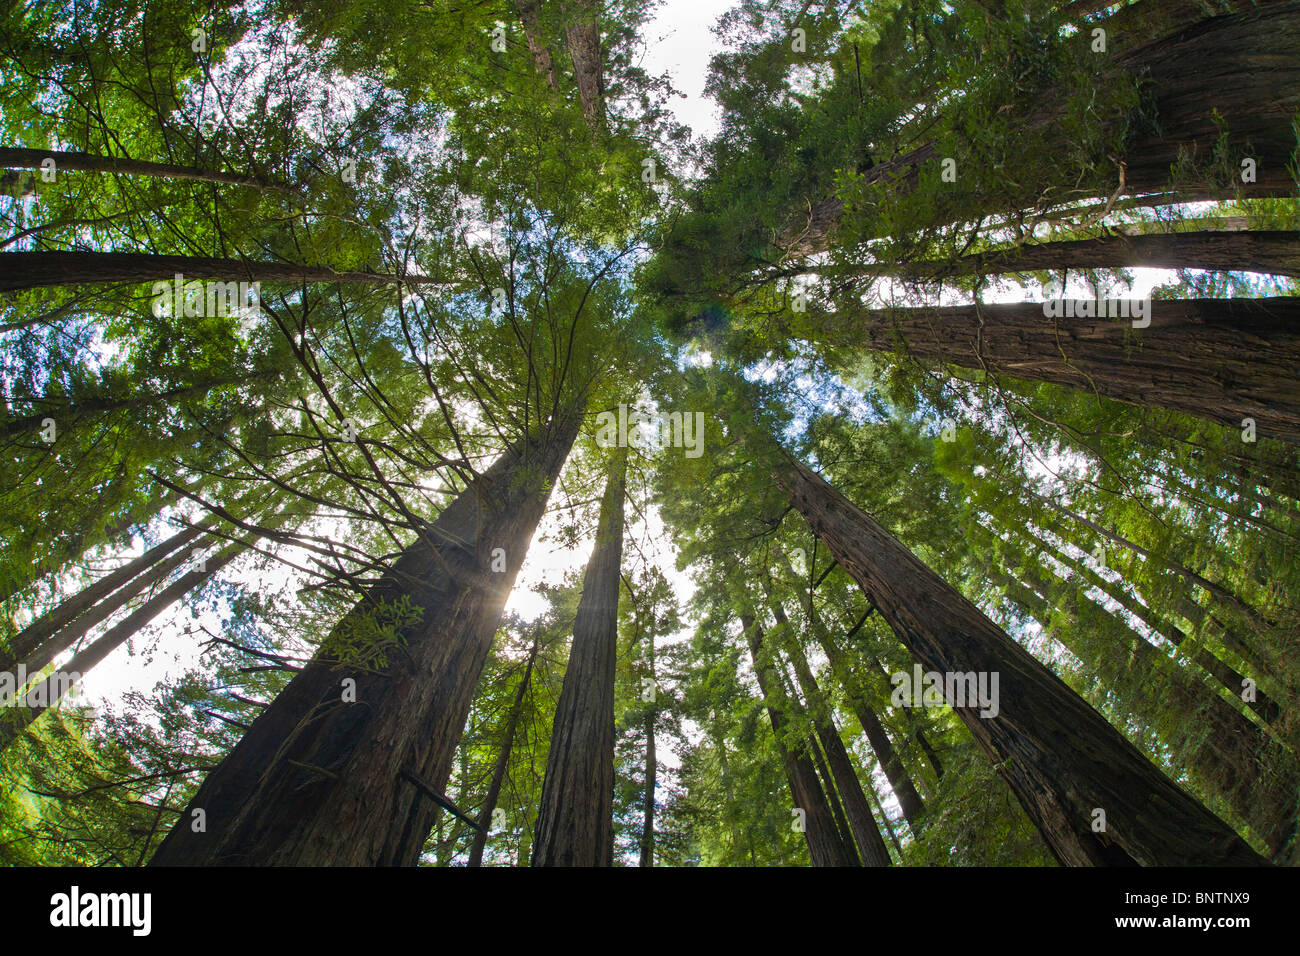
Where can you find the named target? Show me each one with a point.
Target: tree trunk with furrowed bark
(825, 847)
(320, 781)
(826, 779)
(503, 760)
(1059, 756)
(575, 819)
(1242, 69)
(861, 824)
(34, 270)
(1223, 360)
(582, 38)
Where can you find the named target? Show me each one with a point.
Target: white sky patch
(680, 42)
(697, 359)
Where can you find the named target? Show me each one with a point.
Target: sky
(680, 43)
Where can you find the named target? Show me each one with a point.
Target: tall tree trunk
(60, 641)
(1223, 360)
(1231, 756)
(825, 847)
(91, 163)
(927, 749)
(885, 822)
(1220, 592)
(575, 820)
(861, 824)
(843, 831)
(38, 645)
(1275, 252)
(651, 770)
(1060, 757)
(582, 38)
(1228, 631)
(84, 407)
(22, 644)
(35, 270)
(899, 779)
(503, 759)
(915, 727)
(1228, 677)
(1241, 70)
(537, 45)
(53, 687)
(319, 781)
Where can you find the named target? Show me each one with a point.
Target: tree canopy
(905, 474)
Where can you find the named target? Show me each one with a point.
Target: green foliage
(523, 269)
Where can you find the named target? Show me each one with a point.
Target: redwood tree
(575, 819)
(323, 779)
(1060, 757)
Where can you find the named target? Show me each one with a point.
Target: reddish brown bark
(33, 270)
(1059, 756)
(826, 778)
(825, 846)
(575, 822)
(317, 781)
(1224, 360)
